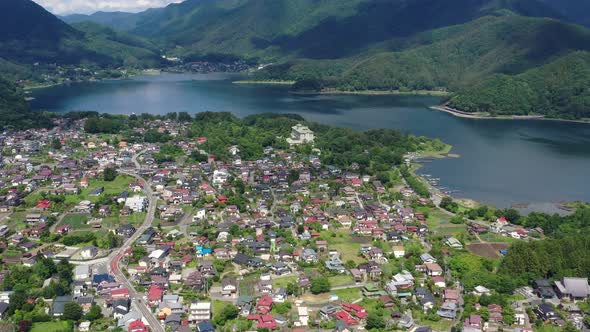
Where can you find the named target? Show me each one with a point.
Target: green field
(76, 221)
(120, 184)
(439, 222)
(344, 244)
(348, 295)
(52, 327)
(341, 280)
(282, 282)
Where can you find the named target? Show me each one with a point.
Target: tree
(350, 264)
(320, 285)
(282, 308)
(109, 174)
(138, 252)
(229, 312)
(374, 321)
(94, 313)
(448, 204)
(73, 311)
(56, 144)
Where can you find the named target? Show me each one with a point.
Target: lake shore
(374, 93)
(147, 72)
(487, 116)
(268, 82)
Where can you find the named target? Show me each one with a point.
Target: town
(180, 232)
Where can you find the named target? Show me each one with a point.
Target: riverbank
(487, 116)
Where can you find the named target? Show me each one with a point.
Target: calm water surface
(502, 161)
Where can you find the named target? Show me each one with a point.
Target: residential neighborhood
(279, 242)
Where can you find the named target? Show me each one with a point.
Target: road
(137, 301)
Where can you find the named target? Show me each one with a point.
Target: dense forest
(559, 89)
(29, 34)
(14, 110)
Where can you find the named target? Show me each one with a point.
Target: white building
(300, 134)
(199, 312)
(137, 203)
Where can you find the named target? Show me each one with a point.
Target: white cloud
(62, 7)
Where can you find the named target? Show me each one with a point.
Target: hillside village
(170, 237)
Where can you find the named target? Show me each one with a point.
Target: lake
(502, 162)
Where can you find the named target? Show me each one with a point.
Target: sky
(61, 7)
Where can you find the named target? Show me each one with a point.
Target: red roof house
(155, 295)
(43, 204)
(137, 326)
(345, 317)
(264, 304)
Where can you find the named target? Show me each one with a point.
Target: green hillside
(450, 57)
(559, 89)
(317, 29)
(30, 34)
(14, 110)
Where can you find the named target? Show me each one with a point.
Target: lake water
(502, 162)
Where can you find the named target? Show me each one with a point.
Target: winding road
(137, 301)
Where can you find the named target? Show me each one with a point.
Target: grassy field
(349, 294)
(341, 280)
(120, 184)
(134, 219)
(491, 237)
(282, 282)
(439, 222)
(76, 221)
(345, 245)
(51, 327)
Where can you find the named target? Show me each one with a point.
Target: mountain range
(466, 47)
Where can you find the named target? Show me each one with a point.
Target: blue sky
(61, 7)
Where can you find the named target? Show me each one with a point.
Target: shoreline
(150, 72)
(268, 82)
(482, 116)
(375, 93)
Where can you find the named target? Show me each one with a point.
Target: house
(88, 252)
(136, 203)
(427, 258)
(126, 230)
(33, 218)
(84, 326)
(334, 264)
(199, 312)
(473, 322)
(264, 304)
(82, 272)
(3, 309)
(155, 295)
(58, 305)
(205, 327)
(453, 243)
(300, 134)
(573, 288)
(545, 311)
(229, 287)
(448, 310)
(544, 289)
(137, 326)
(309, 256)
(433, 269)
(399, 251)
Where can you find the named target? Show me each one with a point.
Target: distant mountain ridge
(463, 46)
(29, 34)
